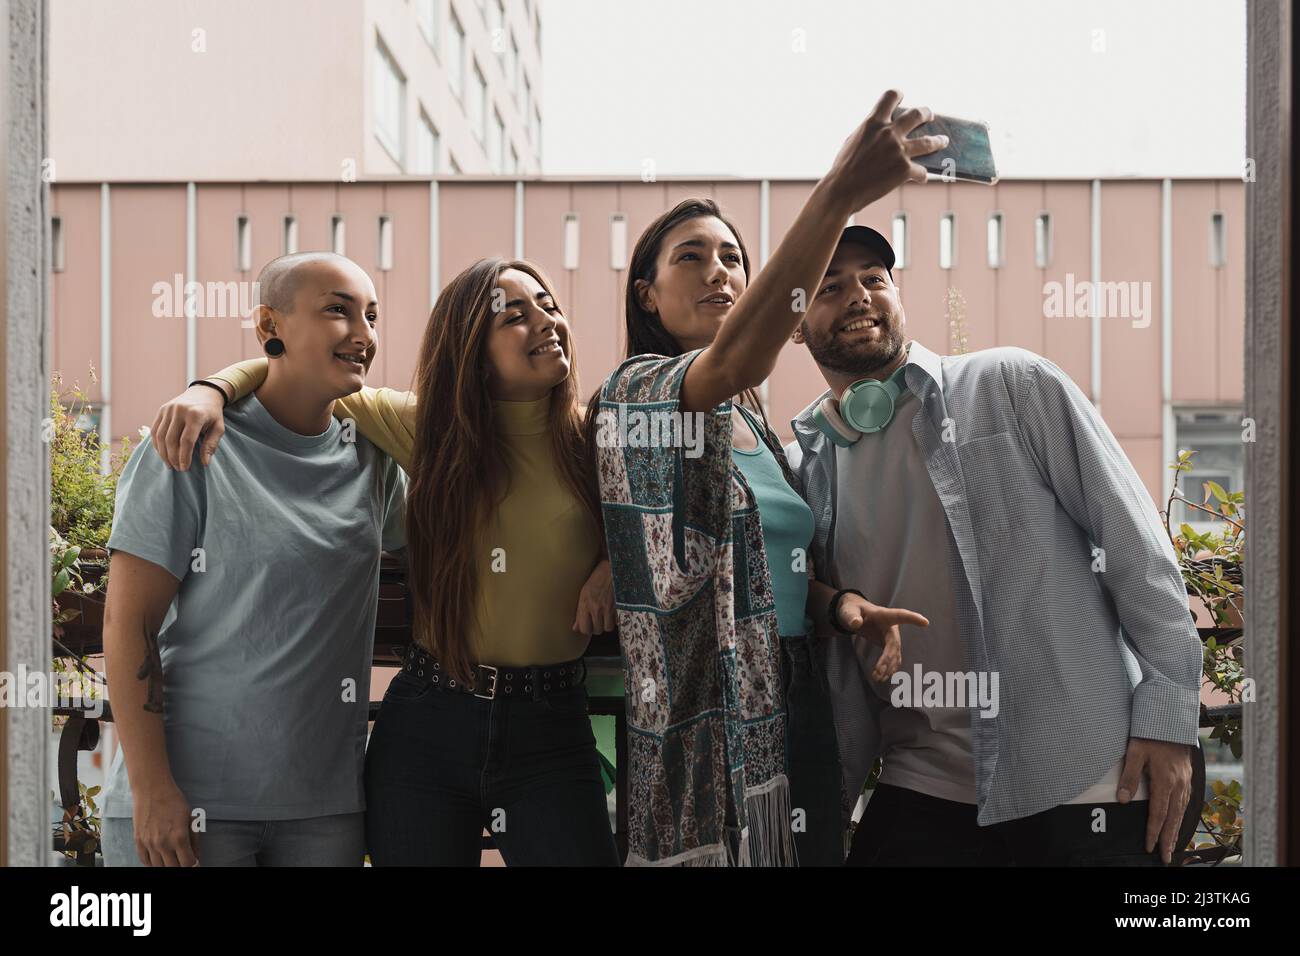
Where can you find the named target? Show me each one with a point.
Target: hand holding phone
(881, 154)
(968, 155)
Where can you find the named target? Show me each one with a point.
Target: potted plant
(83, 486)
(1211, 564)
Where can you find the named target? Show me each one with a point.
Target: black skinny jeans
(443, 766)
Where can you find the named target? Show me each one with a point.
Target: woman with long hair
(733, 751)
(486, 724)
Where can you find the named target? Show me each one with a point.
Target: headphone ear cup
(831, 424)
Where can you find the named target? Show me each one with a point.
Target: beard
(858, 359)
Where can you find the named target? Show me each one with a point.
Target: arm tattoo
(151, 670)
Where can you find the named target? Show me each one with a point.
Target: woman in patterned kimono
(733, 751)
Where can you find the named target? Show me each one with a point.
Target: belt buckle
(491, 694)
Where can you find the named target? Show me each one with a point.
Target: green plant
(79, 827)
(81, 489)
(82, 493)
(1212, 567)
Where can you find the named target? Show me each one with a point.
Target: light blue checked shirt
(1030, 479)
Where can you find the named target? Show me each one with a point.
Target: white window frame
(996, 240)
(618, 241)
(386, 71)
(572, 241)
(476, 102)
(430, 26)
(948, 241)
(426, 126)
(289, 236)
(1043, 240)
(1218, 240)
(243, 244)
(899, 222)
(456, 58)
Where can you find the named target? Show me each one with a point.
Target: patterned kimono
(697, 623)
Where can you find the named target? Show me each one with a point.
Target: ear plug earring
(274, 347)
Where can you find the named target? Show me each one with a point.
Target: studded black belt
(508, 683)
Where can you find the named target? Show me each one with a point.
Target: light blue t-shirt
(787, 528)
(266, 650)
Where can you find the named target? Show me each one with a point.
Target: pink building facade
(980, 267)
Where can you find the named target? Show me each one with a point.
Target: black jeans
(443, 766)
(812, 756)
(905, 828)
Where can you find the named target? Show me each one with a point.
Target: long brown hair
(646, 334)
(458, 467)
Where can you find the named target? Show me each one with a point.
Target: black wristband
(225, 399)
(834, 612)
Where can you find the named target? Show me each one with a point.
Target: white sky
(714, 87)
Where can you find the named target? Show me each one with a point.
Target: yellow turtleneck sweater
(528, 590)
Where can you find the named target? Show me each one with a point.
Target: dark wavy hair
(646, 334)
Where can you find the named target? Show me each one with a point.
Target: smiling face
(699, 274)
(854, 326)
(327, 324)
(527, 350)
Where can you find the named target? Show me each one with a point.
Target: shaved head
(278, 282)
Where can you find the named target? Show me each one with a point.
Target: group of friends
(936, 521)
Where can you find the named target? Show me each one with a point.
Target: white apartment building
(239, 90)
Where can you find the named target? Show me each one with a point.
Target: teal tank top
(787, 524)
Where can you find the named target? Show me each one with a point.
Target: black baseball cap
(873, 241)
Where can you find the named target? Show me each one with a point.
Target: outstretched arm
(875, 159)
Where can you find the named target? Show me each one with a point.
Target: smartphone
(967, 156)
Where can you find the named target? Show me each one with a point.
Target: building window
(290, 238)
(512, 66)
(243, 245)
(390, 92)
(526, 103)
(476, 105)
(1215, 436)
(426, 146)
(997, 243)
(899, 239)
(537, 27)
(570, 240)
(1218, 242)
(514, 160)
(426, 13)
(496, 142)
(338, 236)
(618, 241)
(456, 57)
(56, 243)
(537, 131)
(1043, 240)
(947, 240)
(385, 243)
